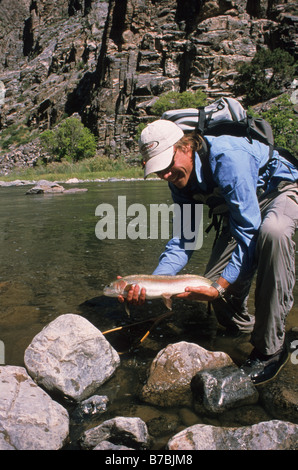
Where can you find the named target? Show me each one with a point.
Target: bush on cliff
(176, 100)
(283, 121)
(265, 76)
(71, 141)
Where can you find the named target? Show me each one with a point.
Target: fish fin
(127, 308)
(167, 300)
(128, 287)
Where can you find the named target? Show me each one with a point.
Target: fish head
(118, 287)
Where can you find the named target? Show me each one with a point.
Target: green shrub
(71, 141)
(265, 76)
(16, 134)
(176, 100)
(283, 121)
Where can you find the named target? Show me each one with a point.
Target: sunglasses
(167, 169)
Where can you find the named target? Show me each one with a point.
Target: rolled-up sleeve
(237, 176)
(177, 253)
(235, 172)
(174, 258)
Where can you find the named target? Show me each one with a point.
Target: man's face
(180, 170)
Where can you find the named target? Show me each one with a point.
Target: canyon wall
(109, 61)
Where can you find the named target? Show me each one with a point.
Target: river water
(52, 263)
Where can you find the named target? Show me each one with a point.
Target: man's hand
(202, 293)
(134, 296)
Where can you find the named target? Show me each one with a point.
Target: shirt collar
(198, 168)
(199, 172)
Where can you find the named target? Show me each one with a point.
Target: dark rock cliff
(109, 60)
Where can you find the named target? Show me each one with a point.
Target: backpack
(224, 116)
(227, 116)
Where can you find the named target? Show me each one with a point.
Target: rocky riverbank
(45, 186)
(68, 363)
(108, 61)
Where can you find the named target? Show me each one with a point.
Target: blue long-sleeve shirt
(235, 167)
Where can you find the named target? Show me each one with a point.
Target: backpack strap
(205, 149)
(201, 120)
(248, 134)
(206, 168)
(287, 155)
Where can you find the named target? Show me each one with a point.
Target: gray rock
(29, 418)
(75, 190)
(4, 444)
(48, 187)
(106, 445)
(172, 370)
(131, 432)
(268, 435)
(71, 356)
(15, 183)
(72, 181)
(95, 405)
(45, 187)
(218, 390)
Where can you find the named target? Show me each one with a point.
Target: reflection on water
(52, 263)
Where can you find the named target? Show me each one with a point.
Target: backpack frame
(226, 116)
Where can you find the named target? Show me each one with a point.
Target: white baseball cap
(157, 145)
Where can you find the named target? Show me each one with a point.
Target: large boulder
(269, 435)
(172, 370)
(29, 418)
(46, 187)
(71, 356)
(218, 390)
(127, 431)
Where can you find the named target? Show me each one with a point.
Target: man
(257, 201)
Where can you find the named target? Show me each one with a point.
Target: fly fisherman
(258, 202)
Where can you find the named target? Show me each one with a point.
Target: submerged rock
(95, 405)
(268, 435)
(107, 445)
(44, 186)
(48, 187)
(71, 356)
(29, 418)
(218, 390)
(75, 190)
(172, 370)
(130, 432)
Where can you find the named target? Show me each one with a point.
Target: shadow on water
(52, 263)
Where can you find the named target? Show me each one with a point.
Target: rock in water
(128, 431)
(172, 370)
(44, 186)
(29, 418)
(71, 356)
(268, 435)
(218, 390)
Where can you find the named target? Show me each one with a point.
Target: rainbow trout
(157, 286)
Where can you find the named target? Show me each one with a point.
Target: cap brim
(159, 162)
